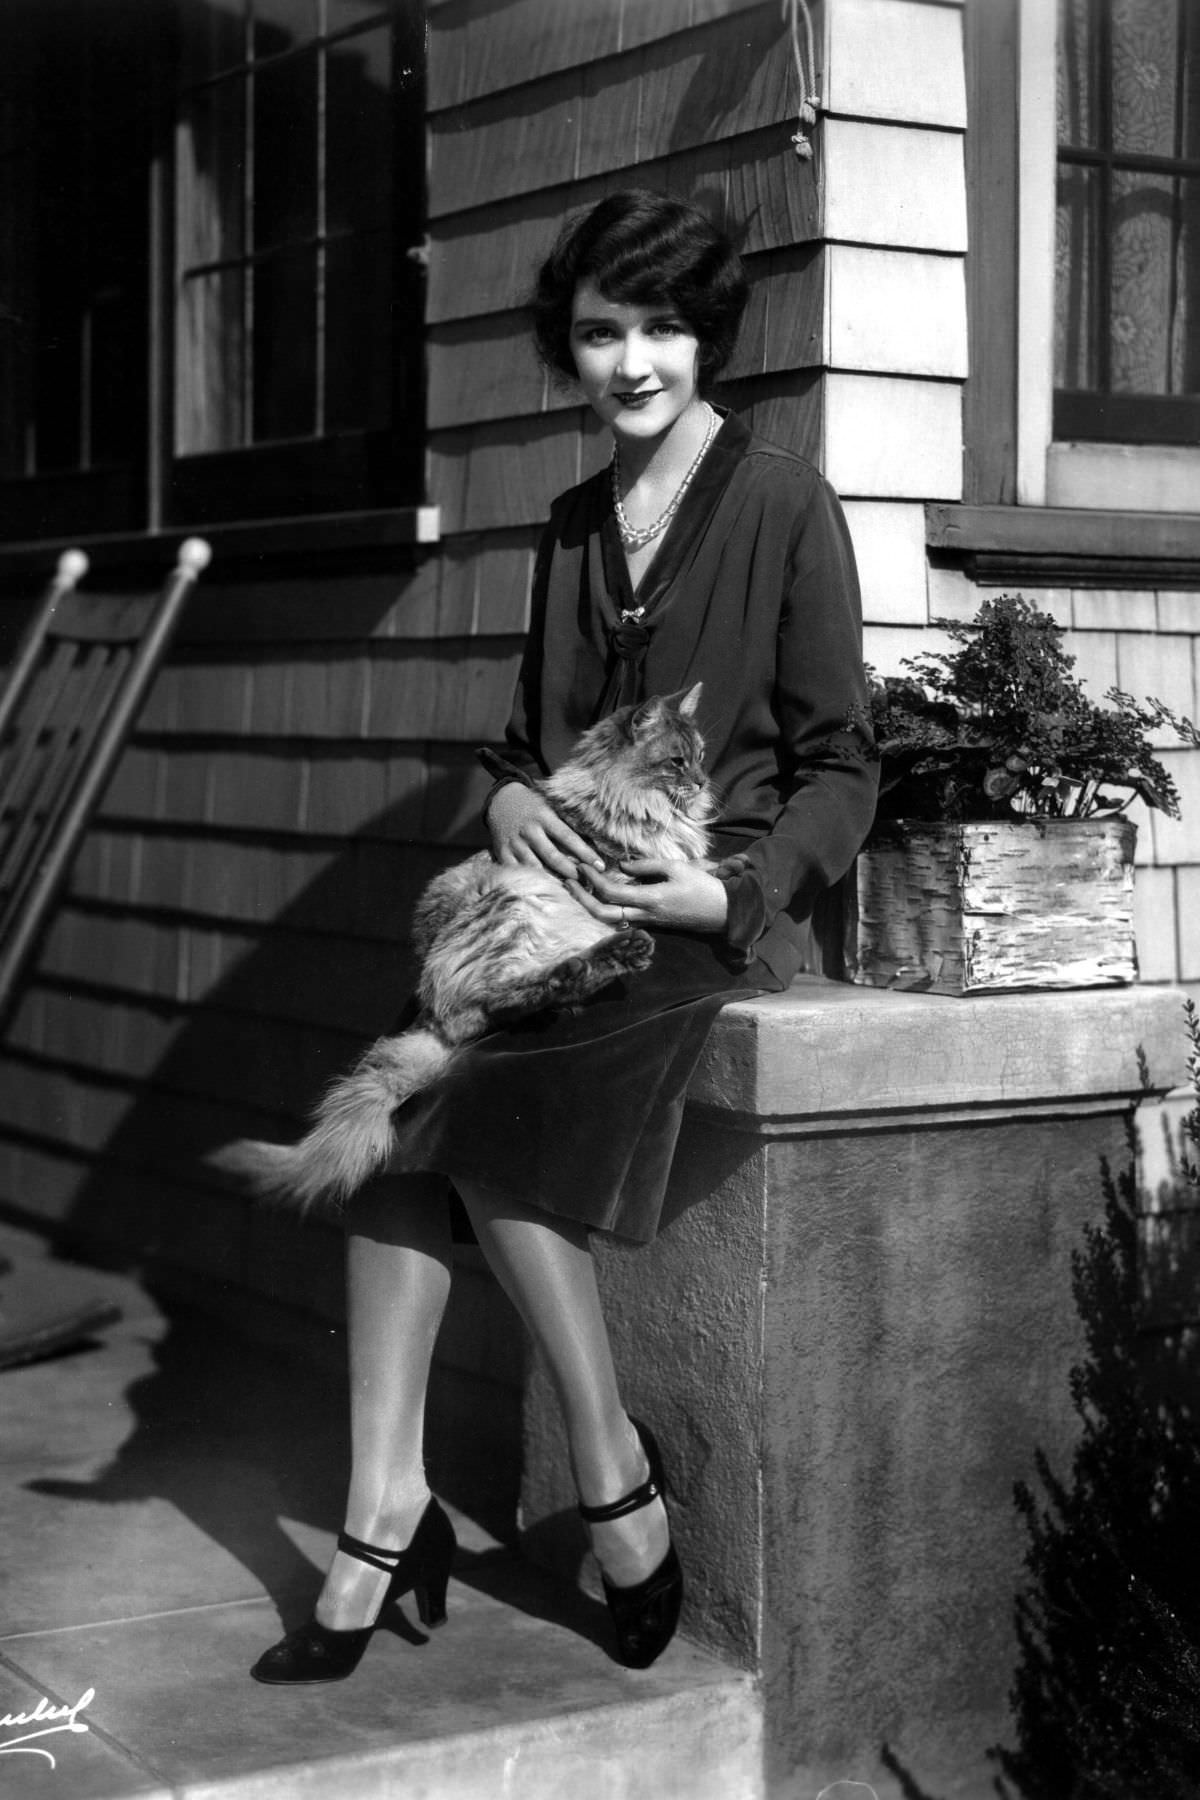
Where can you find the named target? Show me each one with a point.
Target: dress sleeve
(522, 758)
(830, 763)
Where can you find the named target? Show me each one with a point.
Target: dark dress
(753, 592)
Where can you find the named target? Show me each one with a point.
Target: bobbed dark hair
(642, 248)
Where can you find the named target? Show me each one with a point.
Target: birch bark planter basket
(996, 905)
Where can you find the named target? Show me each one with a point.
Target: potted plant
(1000, 857)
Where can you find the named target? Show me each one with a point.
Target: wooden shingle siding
(892, 438)
(895, 185)
(398, 690)
(534, 38)
(483, 259)
(321, 980)
(898, 59)
(896, 312)
(367, 890)
(680, 93)
(236, 926)
(486, 369)
(889, 547)
(526, 39)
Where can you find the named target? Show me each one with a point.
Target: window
(1127, 243)
(208, 308)
(1083, 260)
(74, 160)
(1045, 290)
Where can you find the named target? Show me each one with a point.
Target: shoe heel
(429, 1588)
(430, 1597)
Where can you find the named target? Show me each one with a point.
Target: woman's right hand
(526, 829)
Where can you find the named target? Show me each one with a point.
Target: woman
(702, 554)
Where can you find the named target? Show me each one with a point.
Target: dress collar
(629, 636)
(711, 478)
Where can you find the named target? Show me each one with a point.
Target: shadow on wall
(245, 1058)
(1106, 1692)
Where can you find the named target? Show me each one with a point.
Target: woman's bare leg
(398, 1264)
(545, 1266)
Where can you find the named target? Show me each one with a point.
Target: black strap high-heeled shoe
(315, 1652)
(645, 1615)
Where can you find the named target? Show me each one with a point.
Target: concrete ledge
(854, 1334)
(827, 1056)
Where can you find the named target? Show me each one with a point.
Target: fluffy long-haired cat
(499, 942)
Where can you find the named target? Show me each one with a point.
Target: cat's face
(664, 750)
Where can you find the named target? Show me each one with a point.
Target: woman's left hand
(654, 892)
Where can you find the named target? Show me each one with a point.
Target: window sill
(253, 542)
(1151, 478)
(1048, 546)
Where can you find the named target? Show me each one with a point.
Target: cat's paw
(730, 865)
(566, 974)
(631, 951)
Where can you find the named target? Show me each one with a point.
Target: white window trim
(1141, 477)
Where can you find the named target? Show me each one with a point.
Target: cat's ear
(642, 716)
(691, 701)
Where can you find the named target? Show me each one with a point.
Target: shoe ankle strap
(616, 1509)
(377, 1555)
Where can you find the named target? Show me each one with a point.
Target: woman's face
(637, 365)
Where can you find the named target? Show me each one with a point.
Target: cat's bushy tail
(351, 1136)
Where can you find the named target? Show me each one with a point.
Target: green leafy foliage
(1000, 727)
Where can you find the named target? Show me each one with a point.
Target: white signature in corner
(65, 1717)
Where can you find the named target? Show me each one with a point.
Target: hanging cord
(810, 100)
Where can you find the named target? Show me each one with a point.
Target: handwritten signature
(67, 1717)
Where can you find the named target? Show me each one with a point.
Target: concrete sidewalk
(169, 1492)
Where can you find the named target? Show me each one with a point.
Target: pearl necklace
(635, 536)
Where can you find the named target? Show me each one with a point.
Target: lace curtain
(1128, 225)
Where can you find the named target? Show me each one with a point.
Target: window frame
(1012, 456)
(321, 483)
(1101, 414)
(1032, 504)
(346, 470)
